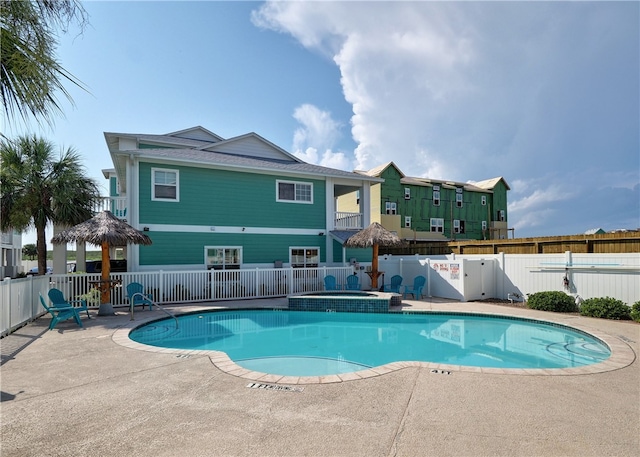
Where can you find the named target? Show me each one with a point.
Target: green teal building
(213, 203)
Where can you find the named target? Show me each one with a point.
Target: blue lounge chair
(353, 282)
(416, 288)
(330, 283)
(396, 282)
(57, 299)
(59, 314)
(135, 291)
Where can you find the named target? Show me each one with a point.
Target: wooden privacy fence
(610, 243)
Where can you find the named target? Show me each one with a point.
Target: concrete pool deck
(78, 392)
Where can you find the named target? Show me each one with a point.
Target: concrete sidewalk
(75, 392)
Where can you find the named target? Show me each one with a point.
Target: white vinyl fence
(20, 302)
(510, 276)
(458, 277)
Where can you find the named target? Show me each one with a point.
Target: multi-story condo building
(243, 202)
(430, 209)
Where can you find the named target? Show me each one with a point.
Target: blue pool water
(296, 343)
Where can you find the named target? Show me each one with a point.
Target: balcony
(347, 221)
(117, 206)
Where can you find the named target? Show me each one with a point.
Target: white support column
(133, 201)
(330, 212)
(59, 253)
(81, 257)
(365, 204)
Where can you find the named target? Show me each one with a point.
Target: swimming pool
(294, 343)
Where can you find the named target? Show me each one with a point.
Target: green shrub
(555, 301)
(635, 311)
(606, 308)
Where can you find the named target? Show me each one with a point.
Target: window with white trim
(483, 200)
(437, 224)
(391, 207)
(459, 199)
(407, 221)
(436, 198)
(357, 197)
(301, 257)
(407, 193)
(458, 226)
(223, 257)
(294, 192)
(501, 215)
(165, 185)
(484, 225)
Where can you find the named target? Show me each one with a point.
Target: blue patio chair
(57, 299)
(396, 282)
(135, 290)
(59, 314)
(353, 282)
(330, 283)
(416, 288)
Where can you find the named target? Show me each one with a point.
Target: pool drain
(258, 385)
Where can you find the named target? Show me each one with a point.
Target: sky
(544, 94)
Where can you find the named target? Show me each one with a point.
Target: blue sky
(545, 94)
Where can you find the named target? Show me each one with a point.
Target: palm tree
(30, 75)
(36, 189)
(30, 251)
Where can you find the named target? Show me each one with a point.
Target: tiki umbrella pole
(104, 230)
(374, 268)
(106, 308)
(373, 236)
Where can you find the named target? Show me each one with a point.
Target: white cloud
(539, 93)
(318, 131)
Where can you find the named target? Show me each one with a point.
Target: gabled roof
(248, 152)
(482, 186)
(427, 182)
(237, 161)
(197, 133)
(491, 183)
(247, 137)
(377, 171)
(157, 140)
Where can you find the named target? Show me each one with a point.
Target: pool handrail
(132, 300)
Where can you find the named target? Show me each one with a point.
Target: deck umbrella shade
(104, 230)
(373, 236)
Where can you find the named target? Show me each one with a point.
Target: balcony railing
(347, 221)
(117, 206)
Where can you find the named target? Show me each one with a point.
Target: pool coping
(622, 355)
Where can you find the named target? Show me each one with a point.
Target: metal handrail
(131, 301)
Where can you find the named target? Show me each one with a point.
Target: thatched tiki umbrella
(373, 236)
(104, 230)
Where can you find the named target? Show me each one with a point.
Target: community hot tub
(350, 301)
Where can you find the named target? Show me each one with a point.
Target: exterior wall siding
(420, 206)
(212, 197)
(499, 201)
(181, 248)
